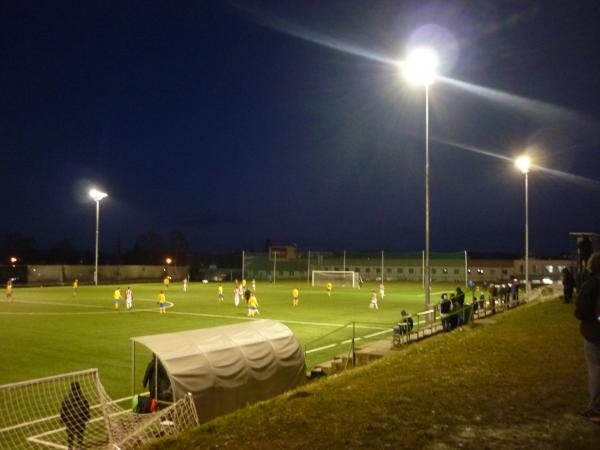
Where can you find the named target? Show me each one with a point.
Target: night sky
(232, 122)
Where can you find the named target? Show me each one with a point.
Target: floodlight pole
(97, 239)
(527, 288)
(427, 263)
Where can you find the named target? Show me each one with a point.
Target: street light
(419, 69)
(96, 195)
(522, 162)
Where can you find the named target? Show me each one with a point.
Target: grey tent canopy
(227, 367)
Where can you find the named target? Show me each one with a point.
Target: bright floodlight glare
(522, 162)
(168, 260)
(13, 259)
(420, 66)
(97, 195)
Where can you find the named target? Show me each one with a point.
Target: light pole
(96, 195)
(522, 163)
(419, 68)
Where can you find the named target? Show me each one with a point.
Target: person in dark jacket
(568, 281)
(460, 306)
(587, 310)
(445, 308)
(584, 248)
(454, 315)
(157, 380)
(74, 413)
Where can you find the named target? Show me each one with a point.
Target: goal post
(335, 277)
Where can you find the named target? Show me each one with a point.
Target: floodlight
(13, 259)
(96, 195)
(168, 260)
(522, 162)
(420, 66)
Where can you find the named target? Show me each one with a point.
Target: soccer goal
(73, 411)
(335, 277)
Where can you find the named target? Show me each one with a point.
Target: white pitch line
(56, 416)
(36, 437)
(321, 348)
(378, 333)
(171, 305)
(297, 322)
(347, 341)
(47, 444)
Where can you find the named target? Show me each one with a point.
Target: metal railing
(340, 345)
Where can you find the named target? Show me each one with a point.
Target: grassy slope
(515, 383)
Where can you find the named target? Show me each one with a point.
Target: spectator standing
(445, 307)
(75, 413)
(584, 248)
(460, 306)
(157, 380)
(587, 310)
(568, 281)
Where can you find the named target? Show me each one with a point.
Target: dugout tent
(225, 368)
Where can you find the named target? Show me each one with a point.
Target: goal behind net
(345, 278)
(73, 411)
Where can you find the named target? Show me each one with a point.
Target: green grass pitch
(48, 331)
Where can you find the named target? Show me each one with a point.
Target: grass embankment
(516, 383)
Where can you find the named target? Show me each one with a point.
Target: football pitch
(48, 331)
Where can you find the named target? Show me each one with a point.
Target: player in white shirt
(373, 304)
(185, 284)
(236, 296)
(381, 290)
(129, 298)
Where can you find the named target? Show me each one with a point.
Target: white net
(344, 278)
(73, 411)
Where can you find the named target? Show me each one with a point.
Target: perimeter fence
(345, 346)
(374, 265)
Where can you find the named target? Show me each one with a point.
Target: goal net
(73, 411)
(335, 277)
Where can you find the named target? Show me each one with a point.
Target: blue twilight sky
(239, 121)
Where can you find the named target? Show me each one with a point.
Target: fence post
(353, 353)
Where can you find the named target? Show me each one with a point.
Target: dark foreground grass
(518, 382)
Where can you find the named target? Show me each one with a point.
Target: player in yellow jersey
(162, 302)
(243, 285)
(117, 297)
(75, 286)
(9, 288)
(220, 293)
(329, 287)
(295, 297)
(166, 282)
(252, 306)
(253, 285)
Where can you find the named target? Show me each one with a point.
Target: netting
(73, 411)
(337, 278)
